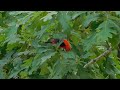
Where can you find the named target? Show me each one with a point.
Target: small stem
(99, 57)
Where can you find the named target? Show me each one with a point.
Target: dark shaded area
(118, 54)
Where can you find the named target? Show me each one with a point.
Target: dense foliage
(24, 53)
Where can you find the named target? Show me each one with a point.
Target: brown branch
(99, 57)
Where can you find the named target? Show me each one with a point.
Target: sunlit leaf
(90, 18)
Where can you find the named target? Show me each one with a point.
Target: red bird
(65, 43)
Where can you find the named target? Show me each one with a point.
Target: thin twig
(99, 57)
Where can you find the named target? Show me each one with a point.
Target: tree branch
(99, 57)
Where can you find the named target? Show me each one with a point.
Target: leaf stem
(99, 57)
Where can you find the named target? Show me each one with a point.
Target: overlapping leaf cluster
(24, 53)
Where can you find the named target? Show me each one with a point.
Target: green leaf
(14, 73)
(90, 18)
(39, 60)
(68, 55)
(49, 16)
(26, 18)
(0, 15)
(59, 35)
(48, 56)
(75, 38)
(83, 73)
(105, 30)
(109, 68)
(42, 31)
(23, 53)
(36, 61)
(64, 20)
(11, 46)
(11, 34)
(6, 59)
(76, 14)
(2, 74)
(27, 63)
(117, 12)
(116, 70)
(17, 62)
(89, 42)
(44, 69)
(19, 12)
(57, 70)
(23, 74)
(41, 50)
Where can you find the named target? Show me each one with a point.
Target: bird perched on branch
(64, 43)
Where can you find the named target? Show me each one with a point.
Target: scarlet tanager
(65, 43)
